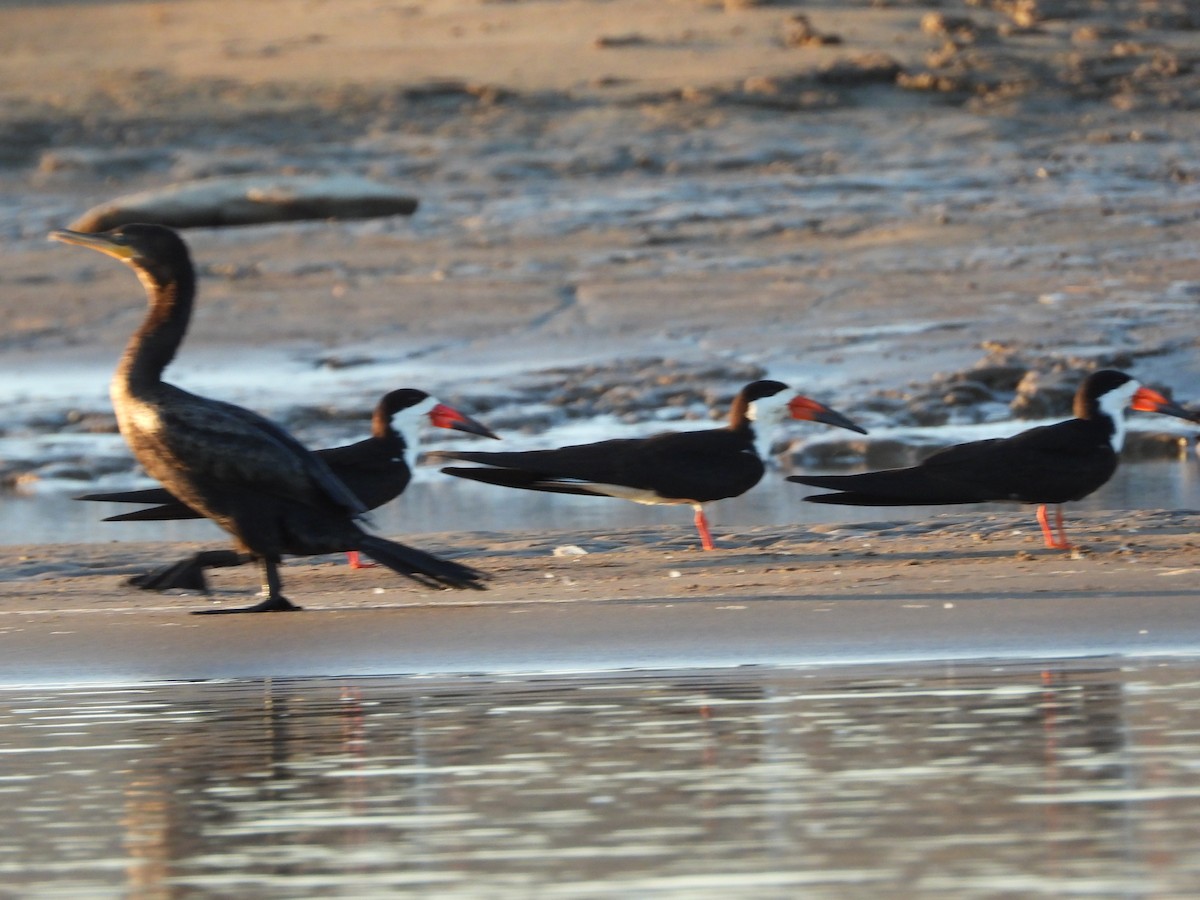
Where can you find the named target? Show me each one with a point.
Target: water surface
(976, 781)
(436, 503)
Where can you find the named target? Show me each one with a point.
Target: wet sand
(888, 592)
(677, 183)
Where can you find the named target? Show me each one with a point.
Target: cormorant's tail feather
(421, 566)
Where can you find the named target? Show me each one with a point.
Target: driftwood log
(250, 200)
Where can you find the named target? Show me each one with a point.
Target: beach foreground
(961, 587)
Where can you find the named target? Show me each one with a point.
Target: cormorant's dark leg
(274, 601)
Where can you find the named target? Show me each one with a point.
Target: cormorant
(232, 465)
(376, 469)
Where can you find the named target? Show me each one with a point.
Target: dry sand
(788, 207)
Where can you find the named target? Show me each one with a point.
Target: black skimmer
(1047, 465)
(232, 465)
(376, 469)
(689, 467)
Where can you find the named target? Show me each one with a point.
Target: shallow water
(435, 503)
(981, 781)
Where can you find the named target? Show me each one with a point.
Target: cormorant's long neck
(154, 344)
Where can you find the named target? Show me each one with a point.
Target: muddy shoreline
(961, 588)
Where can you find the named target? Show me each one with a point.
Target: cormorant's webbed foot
(274, 600)
(276, 603)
